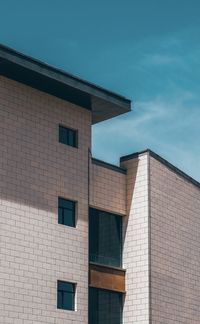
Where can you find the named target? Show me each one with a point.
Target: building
(80, 238)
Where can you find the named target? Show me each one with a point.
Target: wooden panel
(107, 278)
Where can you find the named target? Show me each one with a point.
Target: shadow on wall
(34, 167)
(132, 169)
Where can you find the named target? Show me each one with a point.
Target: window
(66, 295)
(105, 306)
(105, 238)
(66, 212)
(68, 136)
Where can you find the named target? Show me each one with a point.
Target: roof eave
(103, 103)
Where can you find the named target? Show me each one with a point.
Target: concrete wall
(175, 247)
(35, 169)
(136, 242)
(108, 189)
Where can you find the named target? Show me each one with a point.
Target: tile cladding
(108, 189)
(175, 247)
(35, 169)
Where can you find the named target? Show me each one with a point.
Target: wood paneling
(107, 278)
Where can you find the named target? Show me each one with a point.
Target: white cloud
(159, 59)
(169, 126)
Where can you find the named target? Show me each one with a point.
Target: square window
(66, 295)
(68, 136)
(66, 212)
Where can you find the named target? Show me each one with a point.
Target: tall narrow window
(65, 295)
(68, 136)
(105, 306)
(66, 212)
(105, 238)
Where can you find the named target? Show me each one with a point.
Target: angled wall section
(107, 188)
(136, 241)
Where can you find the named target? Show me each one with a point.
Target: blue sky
(148, 51)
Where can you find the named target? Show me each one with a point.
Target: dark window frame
(71, 293)
(70, 129)
(73, 210)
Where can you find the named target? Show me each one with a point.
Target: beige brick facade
(162, 243)
(175, 247)
(108, 189)
(136, 242)
(34, 170)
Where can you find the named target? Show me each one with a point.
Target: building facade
(81, 240)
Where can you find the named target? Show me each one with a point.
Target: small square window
(66, 295)
(68, 136)
(66, 212)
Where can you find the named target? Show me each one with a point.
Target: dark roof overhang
(103, 103)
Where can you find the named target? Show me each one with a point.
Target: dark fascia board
(108, 166)
(163, 161)
(103, 103)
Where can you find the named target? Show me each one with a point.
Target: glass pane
(71, 137)
(62, 135)
(93, 306)
(65, 295)
(60, 215)
(65, 203)
(69, 218)
(67, 136)
(65, 286)
(105, 307)
(66, 212)
(105, 238)
(93, 236)
(68, 300)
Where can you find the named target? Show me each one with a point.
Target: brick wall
(108, 189)
(175, 247)
(35, 169)
(136, 242)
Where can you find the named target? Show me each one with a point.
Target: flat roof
(107, 165)
(163, 161)
(103, 103)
